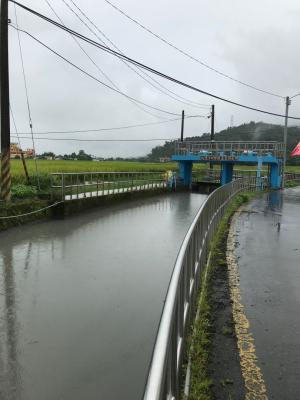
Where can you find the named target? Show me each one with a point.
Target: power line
(98, 140)
(100, 69)
(15, 125)
(189, 55)
(113, 128)
(133, 61)
(161, 87)
(295, 95)
(93, 77)
(27, 98)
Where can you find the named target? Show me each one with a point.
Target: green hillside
(247, 132)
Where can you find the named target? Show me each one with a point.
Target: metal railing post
(63, 196)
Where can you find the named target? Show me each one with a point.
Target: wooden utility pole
(212, 129)
(25, 167)
(4, 104)
(182, 126)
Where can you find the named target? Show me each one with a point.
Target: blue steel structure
(228, 154)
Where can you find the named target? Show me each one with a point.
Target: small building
(164, 159)
(16, 151)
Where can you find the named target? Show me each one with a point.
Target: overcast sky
(254, 41)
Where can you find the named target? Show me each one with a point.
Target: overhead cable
(154, 71)
(158, 86)
(100, 69)
(15, 125)
(189, 55)
(98, 140)
(92, 76)
(295, 95)
(114, 128)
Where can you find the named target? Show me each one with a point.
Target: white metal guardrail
(71, 186)
(290, 176)
(214, 175)
(228, 148)
(164, 376)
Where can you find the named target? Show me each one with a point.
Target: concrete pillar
(258, 174)
(226, 173)
(185, 172)
(275, 178)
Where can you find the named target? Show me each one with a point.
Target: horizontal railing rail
(164, 376)
(229, 148)
(292, 176)
(72, 185)
(214, 175)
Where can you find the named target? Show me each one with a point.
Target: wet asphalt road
(80, 299)
(269, 267)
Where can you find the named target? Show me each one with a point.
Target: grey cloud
(254, 41)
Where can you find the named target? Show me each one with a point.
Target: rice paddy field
(46, 167)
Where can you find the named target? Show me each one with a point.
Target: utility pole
(182, 126)
(25, 167)
(4, 104)
(287, 104)
(212, 129)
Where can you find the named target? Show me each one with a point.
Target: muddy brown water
(81, 298)
(269, 266)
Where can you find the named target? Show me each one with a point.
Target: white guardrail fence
(290, 176)
(164, 378)
(71, 186)
(67, 186)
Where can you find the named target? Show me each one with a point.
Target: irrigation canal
(81, 298)
(268, 251)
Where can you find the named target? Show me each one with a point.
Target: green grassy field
(45, 168)
(48, 167)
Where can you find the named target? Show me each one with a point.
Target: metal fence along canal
(71, 186)
(164, 374)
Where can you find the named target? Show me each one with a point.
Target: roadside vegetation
(202, 382)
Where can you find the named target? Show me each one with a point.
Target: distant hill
(252, 131)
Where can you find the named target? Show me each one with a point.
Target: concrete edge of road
(217, 366)
(214, 367)
(252, 374)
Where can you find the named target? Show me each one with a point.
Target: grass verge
(291, 184)
(201, 349)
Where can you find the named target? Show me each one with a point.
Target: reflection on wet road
(269, 267)
(80, 299)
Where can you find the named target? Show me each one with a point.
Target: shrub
(21, 191)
